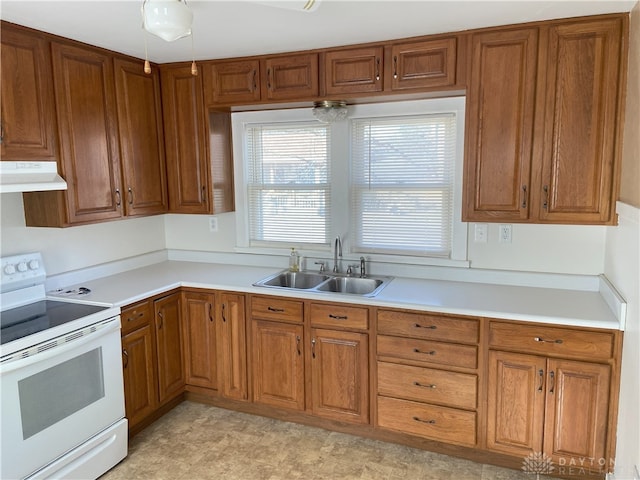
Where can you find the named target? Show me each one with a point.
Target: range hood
(30, 177)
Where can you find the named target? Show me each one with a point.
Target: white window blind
(289, 186)
(402, 184)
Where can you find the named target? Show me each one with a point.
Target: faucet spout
(363, 267)
(337, 252)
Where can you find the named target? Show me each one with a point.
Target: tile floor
(196, 441)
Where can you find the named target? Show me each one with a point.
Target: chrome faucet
(363, 267)
(337, 252)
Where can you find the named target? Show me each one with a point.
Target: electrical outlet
(480, 233)
(213, 224)
(505, 234)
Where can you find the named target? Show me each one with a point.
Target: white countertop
(545, 305)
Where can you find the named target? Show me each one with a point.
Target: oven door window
(60, 391)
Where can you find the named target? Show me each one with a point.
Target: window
(387, 180)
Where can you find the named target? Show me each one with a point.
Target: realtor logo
(537, 463)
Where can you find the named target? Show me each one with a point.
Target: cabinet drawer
(135, 316)
(429, 421)
(336, 315)
(552, 340)
(271, 308)
(425, 325)
(427, 385)
(425, 351)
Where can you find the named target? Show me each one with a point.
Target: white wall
(67, 249)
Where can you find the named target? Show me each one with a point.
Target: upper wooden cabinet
(28, 123)
(141, 139)
(292, 77)
(423, 64)
(185, 139)
(231, 82)
(499, 125)
(543, 136)
(356, 70)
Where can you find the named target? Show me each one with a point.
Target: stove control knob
(22, 267)
(34, 265)
(10, 269)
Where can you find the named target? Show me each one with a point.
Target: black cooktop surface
(38, 316)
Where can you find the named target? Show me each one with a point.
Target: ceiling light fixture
(168, 20)
(329, 111)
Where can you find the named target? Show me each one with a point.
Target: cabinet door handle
(395, 66)
(542, 340)
(126, 357)
(211, 312)
(524, 196)
(377, 69)
(161, 317)
(541, 374)
(425, 385)
(118, 198)
(430, 422)
(545, 204)
(277, 310)
(338, 317)
(1, 132)
(224, 316)
(298, 345)
(552, 375)
(130, 195)
(269, 78)
(313, 348)
(430, 327)
(255, 84)
(416, 350)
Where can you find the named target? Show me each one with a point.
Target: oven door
(66, 391)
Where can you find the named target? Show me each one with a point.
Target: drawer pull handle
(430, 327)
(277, 310)
(429, 385)
(416, 350)
(542, 340)
(430, 422)
(338, 317)
(131, 319)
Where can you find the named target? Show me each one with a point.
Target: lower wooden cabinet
(200, 339)
(232, 346)
(169, 348)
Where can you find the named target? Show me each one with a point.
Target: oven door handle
(105, 328)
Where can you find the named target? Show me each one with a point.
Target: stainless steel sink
(301, 280)
(325, 283)
(355, 285)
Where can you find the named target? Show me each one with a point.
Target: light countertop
(535, 304)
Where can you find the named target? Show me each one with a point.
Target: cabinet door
(577, 410)
(185, 141)
(515, 407)
(169, 347)
(581, 124)
(499, 125)
(28, 125)
(87, 117)
(141, 139)
(291, 77)
(340, 375)
(200, 350)
(140, 377)
(357, 70)
(231, 83)
(232, 346)
(421, 65)
(278, 364)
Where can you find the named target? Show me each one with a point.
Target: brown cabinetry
(533, 392)
(293, 77)
(232, 346)
(169, 348)
(356, 70)
(144, 185)
(28, 123)
(423, 64)
(340, 362)
(427, 375)
(200, 335)
(188, 166)
(542, 143)
(231, 82)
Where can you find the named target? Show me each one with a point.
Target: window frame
(341, 171)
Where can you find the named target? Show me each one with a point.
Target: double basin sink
(327, 283)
